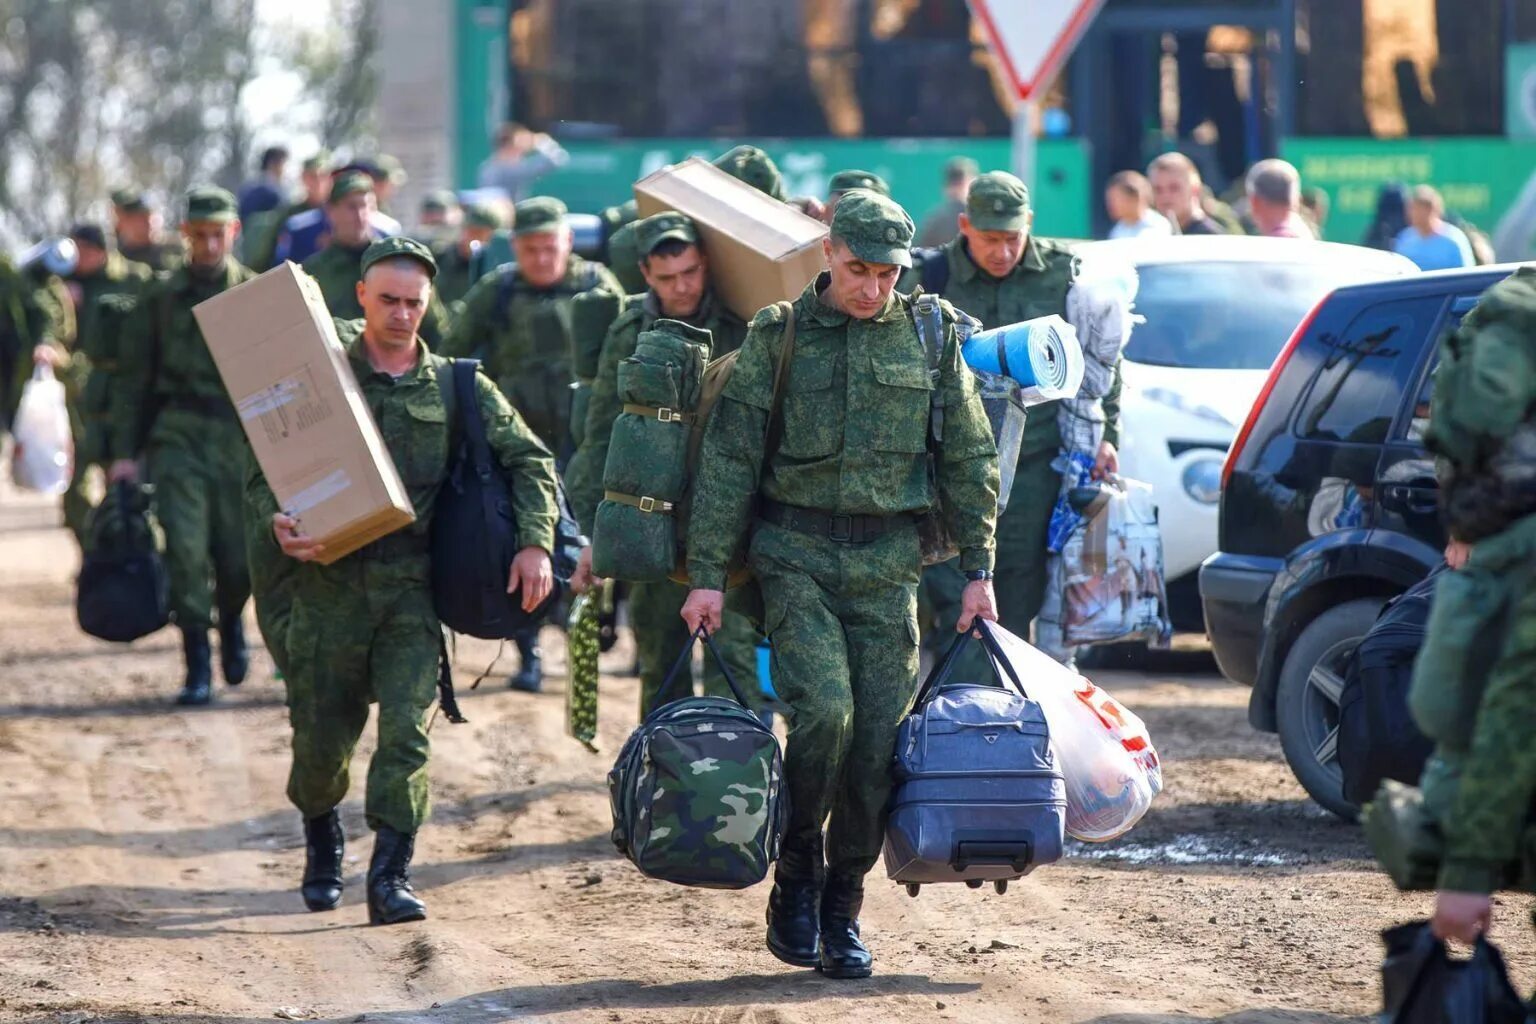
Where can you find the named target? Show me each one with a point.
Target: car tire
(1307, 699)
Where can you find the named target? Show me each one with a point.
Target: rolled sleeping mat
(1042, 354)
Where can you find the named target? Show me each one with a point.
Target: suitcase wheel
(974, 883)
(1001, 885)
(913, 889)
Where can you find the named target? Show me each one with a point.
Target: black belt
(842, 529)
(203, 405)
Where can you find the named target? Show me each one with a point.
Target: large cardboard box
(275, 345)
(761, 251)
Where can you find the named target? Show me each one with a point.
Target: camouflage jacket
(338, 269)
(159, 257)
(413, 421)
(1037, 287)
(523, 335)
(166, 379)
(455, 274)
(584, 475)
(35, 309)
(119, 276)
(855, 432)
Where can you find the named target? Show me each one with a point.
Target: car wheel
(1307, 699)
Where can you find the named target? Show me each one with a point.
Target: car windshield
(1227, 316)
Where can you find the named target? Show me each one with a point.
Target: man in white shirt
(1128, 198)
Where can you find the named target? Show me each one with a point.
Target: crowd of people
(822, 487)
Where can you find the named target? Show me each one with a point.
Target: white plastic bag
(1110, 765)
(43, 459)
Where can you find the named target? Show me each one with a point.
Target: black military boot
(794, 930)
(198, 688)
(234, 655)
(324, 845)
(530, 677)
(843, 955)
(391, 899)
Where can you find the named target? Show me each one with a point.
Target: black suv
(1329, 506)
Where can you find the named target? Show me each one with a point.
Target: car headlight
(1202, 481)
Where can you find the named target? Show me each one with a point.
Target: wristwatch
(977, 575)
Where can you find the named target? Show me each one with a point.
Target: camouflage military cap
(439, 200)
(652, 231)
(483, 215)
(211, 204)
(847, 181)
(539, 214)
(349, 183)
(130, 200)
(997, 201)
(401, 247)
(756, 168)
(874, 228)
(317, 162)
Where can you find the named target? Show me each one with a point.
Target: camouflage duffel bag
(698, 790)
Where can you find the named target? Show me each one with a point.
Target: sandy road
(148, 864)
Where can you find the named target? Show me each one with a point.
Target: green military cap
(399, 245)
(652, 231)
(317, 162)
(756, 168)
(847, 181)
(483, 215)
(130, 200)
(874, 228)
(349, 183)
(210, 203)
(541, 213)
(391, 168)
(960, 168)
(440, 200)
(997, 201)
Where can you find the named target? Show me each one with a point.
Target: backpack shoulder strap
(447, 389)
(781, 378)
(467, 416)
(928, 318)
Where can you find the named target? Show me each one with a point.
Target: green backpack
(697, 793)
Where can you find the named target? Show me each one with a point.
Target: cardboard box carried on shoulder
(761, 251)
(275, 345)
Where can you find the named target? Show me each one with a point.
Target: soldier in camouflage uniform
(836, 550)
(137, 241)
(100, 273)
(169, 407)
(37, 325)
(337, 268)
(1001, 274)
(517, 319)
(362, 629)
(459, 263)
(677, 271)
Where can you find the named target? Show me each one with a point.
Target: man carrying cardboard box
(363, 628)
(169, 407)
(517, 319)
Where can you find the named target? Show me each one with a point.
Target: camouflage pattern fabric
(338, 269)
(169, 404)
(523, 335)
(697, 795)
(581, 651)
(363, 629)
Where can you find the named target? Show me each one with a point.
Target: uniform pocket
(899, 407)
(813, 410)
(426, 460)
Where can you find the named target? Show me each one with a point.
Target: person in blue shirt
(1429, 240)
(267, 191)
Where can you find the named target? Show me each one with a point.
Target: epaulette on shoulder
(768, 316)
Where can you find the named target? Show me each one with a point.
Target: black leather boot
(794, 905)
(198, 688)
(530, 677)
(324, 845)
(843, 955)
(234, 654)
(391, 899)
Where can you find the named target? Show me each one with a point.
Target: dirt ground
(149, 863)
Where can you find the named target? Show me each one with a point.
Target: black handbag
(123, 591)
(1421, 984)
(474, 530)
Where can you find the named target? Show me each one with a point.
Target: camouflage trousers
(843, 621)
(660, 635)
(1020, 575)
(199, 498)
(362, 631)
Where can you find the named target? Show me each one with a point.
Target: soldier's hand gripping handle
(704, 610)
(977, 601)
(295, 544)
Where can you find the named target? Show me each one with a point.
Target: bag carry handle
(687, 656)
(1002, 669)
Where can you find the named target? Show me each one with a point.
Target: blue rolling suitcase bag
(979, 796)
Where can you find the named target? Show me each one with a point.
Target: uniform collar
(963, 268)
(811, 302)
(183, 282)
(709, 308)
(357, 354)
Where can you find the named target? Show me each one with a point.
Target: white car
(1218, 310)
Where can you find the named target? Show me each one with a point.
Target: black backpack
(474, 533)
(123, 592)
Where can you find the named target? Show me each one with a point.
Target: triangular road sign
(1032, 39)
